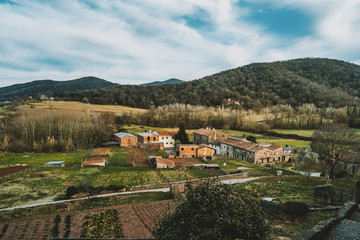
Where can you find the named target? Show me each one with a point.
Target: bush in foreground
(212, 211)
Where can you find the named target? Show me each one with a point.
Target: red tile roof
(165, 161)
(212, 134)
(94, 160)
(204, 145)
(164, 133)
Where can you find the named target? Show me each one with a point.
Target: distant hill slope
(169, 81)
(324, 82)
(50, 87)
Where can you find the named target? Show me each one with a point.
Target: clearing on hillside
(79, 106)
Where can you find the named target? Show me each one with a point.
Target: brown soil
(137, 221)
(9, 170)
(100, 151)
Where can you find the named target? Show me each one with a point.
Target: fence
(342, 195)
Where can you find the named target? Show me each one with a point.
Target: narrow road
(166, 189)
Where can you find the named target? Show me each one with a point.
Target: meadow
(42, 181)
(79, 106)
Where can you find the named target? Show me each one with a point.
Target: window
(162, 138)
(182, 148)
(154, 138)
(167, 143)
(183, 156)
(166, 137)
(192, 156)
(148, 138)
(192, 148)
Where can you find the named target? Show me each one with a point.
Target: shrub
(296, 209)
(211, 211)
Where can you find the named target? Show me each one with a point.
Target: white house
(167, 138)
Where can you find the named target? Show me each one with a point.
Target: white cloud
(145, 40)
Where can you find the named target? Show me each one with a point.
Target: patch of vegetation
(103, 225)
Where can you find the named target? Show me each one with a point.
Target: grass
(255, 171)
(39, 159)
(269, 139)
(40, 181)
(79, 106)
(304, 133)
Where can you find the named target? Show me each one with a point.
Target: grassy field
(41, 181)
(79, 106)
(304, 133)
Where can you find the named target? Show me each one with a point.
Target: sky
(139, 41)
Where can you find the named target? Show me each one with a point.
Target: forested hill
(324, 82)
(169, 81)
(50, 87)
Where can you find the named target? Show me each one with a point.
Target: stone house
(260, 154)
(204, 151)
(209, 137)
(167, 138)
(350, 160)
(125, 139)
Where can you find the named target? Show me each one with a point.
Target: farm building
(56, 164)
(244, 150)
(148, 140)
(164, 163)
(187, 150)
(208, 135)
(167, 138)
(125, 139)
(96, 161)
(205, 151)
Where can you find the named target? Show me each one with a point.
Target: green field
(303, 133)
(269, 139)
(43, 181)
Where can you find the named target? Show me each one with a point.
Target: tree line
(54, 130)
(322, 82)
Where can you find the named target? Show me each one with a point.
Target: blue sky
(138, 41)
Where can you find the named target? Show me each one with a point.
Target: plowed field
(9, 170)
(137, 221)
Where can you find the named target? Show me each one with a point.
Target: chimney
(215, 136)
(150, 131)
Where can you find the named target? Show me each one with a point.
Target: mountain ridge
(321, 81)
(169, 81)
(51, 87)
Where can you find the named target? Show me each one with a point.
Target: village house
(187, 150)
(125, 139)
(350, 160)
(260, 154)
(205, 151)
(148, 140)
(192, 151)
(209, 137)
(167, 138)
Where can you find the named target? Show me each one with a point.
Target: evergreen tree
(181, 135)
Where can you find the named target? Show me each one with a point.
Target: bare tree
(307, 161)
(331, 142)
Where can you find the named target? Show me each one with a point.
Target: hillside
(169, 81)
(50, 87)
(324, 82)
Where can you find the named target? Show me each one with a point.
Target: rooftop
(123, 135)
(211, 133)
(163, 133)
